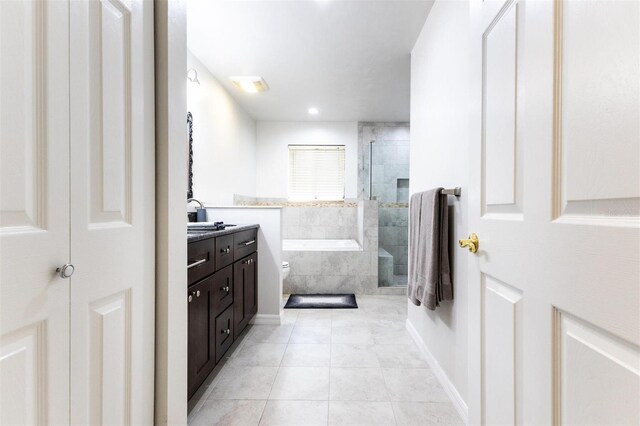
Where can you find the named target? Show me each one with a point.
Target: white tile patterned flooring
(326, 367)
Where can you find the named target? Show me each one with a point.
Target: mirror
(190, 178)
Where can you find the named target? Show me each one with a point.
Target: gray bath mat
(322, 301)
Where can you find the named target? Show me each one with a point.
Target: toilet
(285, 270)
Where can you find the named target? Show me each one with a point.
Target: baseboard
(449, 388)
(267, 319)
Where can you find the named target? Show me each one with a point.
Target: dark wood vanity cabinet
(223, 289)
(201, 339)
(245, 291)
(224, 251)
(222, 297)
(224, 332)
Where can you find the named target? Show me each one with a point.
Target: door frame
(171, 182)
(474, 317)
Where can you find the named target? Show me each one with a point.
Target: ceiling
(349, 59)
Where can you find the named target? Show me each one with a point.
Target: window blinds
(316, 172)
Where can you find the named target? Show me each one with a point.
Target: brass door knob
(472, 243)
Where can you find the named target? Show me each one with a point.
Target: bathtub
(320, 245)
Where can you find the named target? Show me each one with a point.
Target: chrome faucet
(201, 213)
(193, 199)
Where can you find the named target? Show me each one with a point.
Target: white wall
(439, 139)
(224, 141)
(273, 155)
(269, 254)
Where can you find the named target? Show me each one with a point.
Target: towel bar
(452, 191)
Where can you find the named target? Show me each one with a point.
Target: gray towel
(429, 270)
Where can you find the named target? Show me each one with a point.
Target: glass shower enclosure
(388, 170)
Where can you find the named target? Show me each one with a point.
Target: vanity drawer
(222, 289)
(245, 243)
(200, 260)
(224, 251)
(224, 332)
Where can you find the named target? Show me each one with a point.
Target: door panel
(34, 212)
(110, 361)
(599, 183)
(609, 361)
(500, 111)
(554, 316)
(22, 360)
(112, 215)
(502, 351)
(24, 115)
(110, 104)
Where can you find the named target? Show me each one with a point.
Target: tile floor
(326, 367)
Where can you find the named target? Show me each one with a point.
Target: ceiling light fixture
(250, 83)
(314, 111)
(192, 75)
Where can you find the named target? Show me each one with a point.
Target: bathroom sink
(199, 231)
(200, 227)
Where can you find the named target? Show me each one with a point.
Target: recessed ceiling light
(314, 111)
(250, 83)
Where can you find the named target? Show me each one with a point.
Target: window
(316, 172)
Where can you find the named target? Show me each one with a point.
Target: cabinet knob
(227, 331)
(227, 250)
(190, 298)
(226, 288)
(198, 293)
(66, 270)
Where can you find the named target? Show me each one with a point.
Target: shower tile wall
(393, 236)
(393, 139)
(390, 174)
(389, 185)
(320, 223)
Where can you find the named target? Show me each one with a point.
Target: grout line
(288, 343)
(393, 411)
(263, 410)
(279, 366)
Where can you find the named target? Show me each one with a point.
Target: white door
(112, 212)
(554, 291)
(76, 185)
(34, 212)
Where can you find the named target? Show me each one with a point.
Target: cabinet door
(245, 243)
(245, 295)
(251, 288)
(224, 332)
(201, 332)
(223, 292)
(224, 251)
(200, 260)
